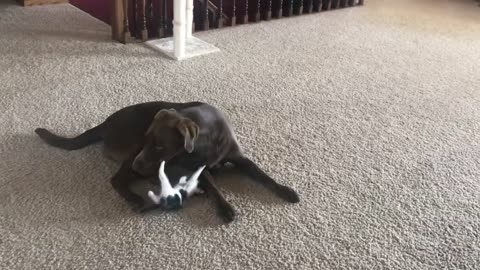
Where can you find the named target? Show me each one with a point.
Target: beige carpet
(372, 114)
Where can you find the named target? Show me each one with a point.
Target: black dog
(190, 134)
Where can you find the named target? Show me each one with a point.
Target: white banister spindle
(189, 27)
(179, 24)
(183, 44)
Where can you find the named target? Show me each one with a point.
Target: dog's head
(168, 135)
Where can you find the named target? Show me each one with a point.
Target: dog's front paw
(226, 213)
(136, 203)
(148, 208)
(288, 194)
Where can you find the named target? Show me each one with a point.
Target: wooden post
(308, 6)
(117, 20)
(326, 4)
(166, 19)
(161, 25)
(189, 18)
(299, 11)
(268, 14)
(179, 34)
(220, 21)
(233, 20)
(245, 16)
(334, 4)
(279, 10)
(290, 8)
(143, 21)
(206, 23)
(317, 5)
(257, 15)
(126, 33)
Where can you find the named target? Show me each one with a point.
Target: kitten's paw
(155, 198)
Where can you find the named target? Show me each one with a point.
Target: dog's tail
(88, 137)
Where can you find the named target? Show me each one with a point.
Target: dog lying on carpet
(192, 134)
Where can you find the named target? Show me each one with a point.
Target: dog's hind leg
(86, 138)
(253, 171)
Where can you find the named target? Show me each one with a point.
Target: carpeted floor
(372, 114)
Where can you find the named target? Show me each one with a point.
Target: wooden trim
(40, 2)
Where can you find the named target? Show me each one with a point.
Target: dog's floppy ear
(189, 130)
(157, 116)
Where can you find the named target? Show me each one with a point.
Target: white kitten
(173, 197)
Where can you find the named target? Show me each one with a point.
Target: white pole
(189, 18)
(179, 28)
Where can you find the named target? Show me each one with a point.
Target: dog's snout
(142, 168)
(140, 164)
(137, 166)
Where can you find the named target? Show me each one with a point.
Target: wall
(99, 9)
